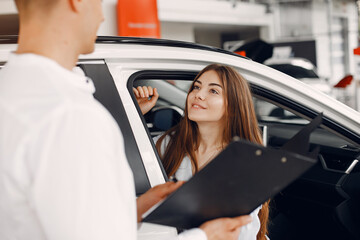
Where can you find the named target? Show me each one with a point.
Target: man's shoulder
(14, 77)
(32, 93)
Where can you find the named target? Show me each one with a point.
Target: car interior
(321, 192)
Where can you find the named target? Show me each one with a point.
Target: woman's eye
(196, 87)
(214, 91)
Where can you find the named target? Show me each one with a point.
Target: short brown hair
(26, 4)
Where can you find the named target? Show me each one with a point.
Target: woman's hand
(155, 195)
(146, 97)
(225, 228)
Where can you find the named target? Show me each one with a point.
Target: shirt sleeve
(250, 231)
(82, 187)
(193, 234)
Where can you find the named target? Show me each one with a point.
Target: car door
(323, 202)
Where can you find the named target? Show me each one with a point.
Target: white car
(301, 69)
(322, 204)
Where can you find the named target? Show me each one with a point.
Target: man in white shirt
(63, 169)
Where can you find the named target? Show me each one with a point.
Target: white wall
(204, 21)
(353, 21)
(7, 7)
(211, 11)
(178, 17)
(295, 19)
(322, 27)
(109, 26)
(177, 31)
(321, 35)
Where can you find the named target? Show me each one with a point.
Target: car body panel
(146, 150)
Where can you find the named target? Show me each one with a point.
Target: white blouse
(184, 173)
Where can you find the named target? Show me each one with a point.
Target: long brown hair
(240, 120)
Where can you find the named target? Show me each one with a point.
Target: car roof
(12, 39)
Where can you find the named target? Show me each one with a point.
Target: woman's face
(206, 102)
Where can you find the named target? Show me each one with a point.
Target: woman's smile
(197, 106)
(206, 101)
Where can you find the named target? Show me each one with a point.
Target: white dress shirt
(63, 169)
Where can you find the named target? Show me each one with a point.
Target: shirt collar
(76, 78)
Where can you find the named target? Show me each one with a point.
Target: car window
(172, 87)
(325, 186)
(335, 154)
(170, 106)
(280, 118)
(281, 123)
(269, 112)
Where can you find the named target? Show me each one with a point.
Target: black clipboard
(242, 177)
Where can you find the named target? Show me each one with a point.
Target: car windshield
(294, 71)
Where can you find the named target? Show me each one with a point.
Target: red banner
(138, 18)
(357, 51)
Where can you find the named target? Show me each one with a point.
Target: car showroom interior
(180, 119)
(323, 33)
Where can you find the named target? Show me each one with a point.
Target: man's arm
(82, 186)
(218, 229)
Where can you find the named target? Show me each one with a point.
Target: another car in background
(301, 69)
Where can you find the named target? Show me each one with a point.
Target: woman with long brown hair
(218, 107)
